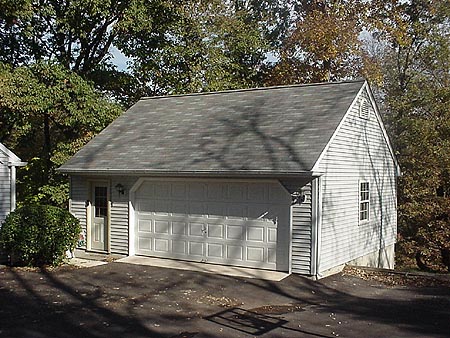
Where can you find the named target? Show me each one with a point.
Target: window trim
(363, 201)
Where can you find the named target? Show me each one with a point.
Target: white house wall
(357, 153)
(119, 214)
(5, 187)
(302, 234)
(301, 239)
(80, 193)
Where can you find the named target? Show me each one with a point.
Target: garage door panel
(145, 244)
(162, 227)
(215, 250)
(235, 252)
(229, 223)
(272, 255)
(255, 254)
(215, 231)
(161, 245)
(179, 228)
(272, 235)
(179, 247)
(235, 232)
(196, 229)
(196, 249)
(144, 225)
(255, 233)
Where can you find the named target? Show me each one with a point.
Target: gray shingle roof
(270, 130)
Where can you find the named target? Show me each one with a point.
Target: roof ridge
(360, 80)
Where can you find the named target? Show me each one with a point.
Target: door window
(101, 201)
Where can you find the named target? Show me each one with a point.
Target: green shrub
(38, 235)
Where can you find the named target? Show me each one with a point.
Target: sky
(119, 59)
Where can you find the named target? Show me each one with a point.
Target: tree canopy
(59, 86)
(47, 114)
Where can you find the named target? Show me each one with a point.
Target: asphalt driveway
(124, 300)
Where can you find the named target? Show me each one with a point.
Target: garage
(241, 223)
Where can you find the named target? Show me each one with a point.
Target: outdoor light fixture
(120, 189)
(298, 198)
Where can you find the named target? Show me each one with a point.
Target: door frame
(132, 213)
(90, 215)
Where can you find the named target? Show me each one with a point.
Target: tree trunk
(420, 263)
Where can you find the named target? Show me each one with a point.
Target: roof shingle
(273, 130)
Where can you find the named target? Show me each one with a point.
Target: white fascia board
(13, 158)
(17, 164)
(324, 151)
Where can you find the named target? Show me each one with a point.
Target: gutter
(211, 173)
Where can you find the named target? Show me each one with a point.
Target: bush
(38, 235)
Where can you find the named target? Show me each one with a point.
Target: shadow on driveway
(122, 300)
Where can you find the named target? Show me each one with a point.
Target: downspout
(316, 223)
(12, 182)
(12, 166)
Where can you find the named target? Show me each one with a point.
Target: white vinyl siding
(119, 214)
(358, 153)
(79, 194)
(5, 187)
(301, 239)
(80, 189)
(302, 234)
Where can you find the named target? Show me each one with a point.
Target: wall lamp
(120, 188)
(297, 198)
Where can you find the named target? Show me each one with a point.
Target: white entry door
(232, 223)
(99, 212)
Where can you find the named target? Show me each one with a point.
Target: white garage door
(232, 223)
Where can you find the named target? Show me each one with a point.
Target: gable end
(363, 106)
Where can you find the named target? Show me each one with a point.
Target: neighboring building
(298, 178)
(8, 163)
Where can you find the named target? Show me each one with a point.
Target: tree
(323, 46)
(203, 46)
(47, 114)
(76, 34)
(416, 86)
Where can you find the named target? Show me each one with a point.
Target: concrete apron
(205, 267)
(85, 263)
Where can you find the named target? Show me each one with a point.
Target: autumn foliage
(59, 86)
